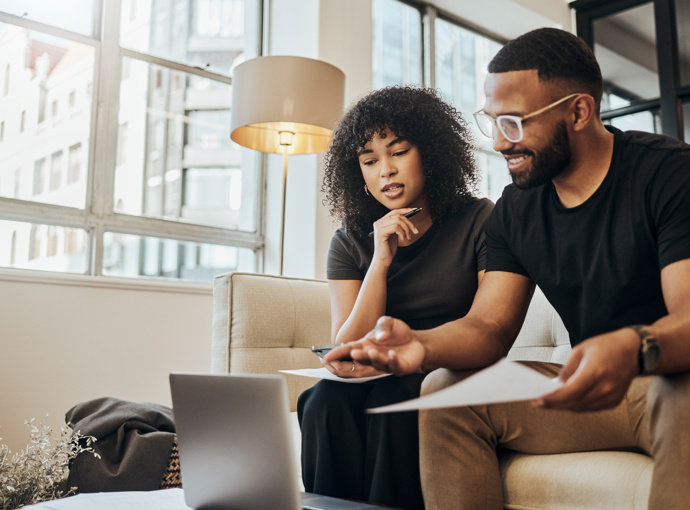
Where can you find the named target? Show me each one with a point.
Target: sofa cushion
(263, 324)
(614, 480)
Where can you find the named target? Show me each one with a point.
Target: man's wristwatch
(649, 350)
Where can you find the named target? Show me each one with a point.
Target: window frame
(98, 216)
(673, 96)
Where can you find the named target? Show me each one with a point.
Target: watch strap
(645, 336)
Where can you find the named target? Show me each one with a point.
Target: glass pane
(625, 46)
(44, 247)
(494, 172)
(683, 26)
(175, 159)
(46, 113)
(462, 57)
(131, 255)
(642, 121)
(208, 34)
(397, 44)
(461, 60)
(74, 15)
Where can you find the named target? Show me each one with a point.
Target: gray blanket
(134, 442)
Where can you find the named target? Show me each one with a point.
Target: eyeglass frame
(517, 119)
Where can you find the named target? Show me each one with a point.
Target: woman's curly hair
(418, 115)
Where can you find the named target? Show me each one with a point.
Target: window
(74, 164)
(460, 57)
(52, 242)
(397, 44)
(39, 176)
(17, 182)
(55, 171)
(134, 189)
(36, 234)
(643, 49)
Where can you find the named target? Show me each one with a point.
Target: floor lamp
(288, 105)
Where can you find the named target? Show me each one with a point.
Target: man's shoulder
(651, 141)
(516, 199)
(650, 157)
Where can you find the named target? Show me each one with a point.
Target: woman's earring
(366, 190)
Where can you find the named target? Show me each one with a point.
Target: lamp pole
(285, 142)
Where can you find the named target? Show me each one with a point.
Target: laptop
(235, 446)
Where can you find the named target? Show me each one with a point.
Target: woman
(395, 151)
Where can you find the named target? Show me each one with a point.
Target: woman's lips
(393, 190)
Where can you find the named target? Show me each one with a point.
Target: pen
(407, 215)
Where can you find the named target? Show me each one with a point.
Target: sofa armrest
(264, 323)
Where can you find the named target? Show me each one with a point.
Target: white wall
(66, 339)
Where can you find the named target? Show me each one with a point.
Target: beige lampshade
(286, 94)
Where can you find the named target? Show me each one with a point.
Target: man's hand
(597, 374)
(390, 347)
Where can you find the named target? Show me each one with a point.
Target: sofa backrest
(264, 323)
(543, 336)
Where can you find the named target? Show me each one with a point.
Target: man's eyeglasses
(510, 125)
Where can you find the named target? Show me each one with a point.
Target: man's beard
(550, 162)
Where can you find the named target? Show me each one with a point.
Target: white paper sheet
(322, 373)
(166, 499)
(505, 381)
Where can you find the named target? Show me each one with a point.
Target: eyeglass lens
(485, 124)
(510, 126)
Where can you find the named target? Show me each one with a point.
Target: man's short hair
(557, 56)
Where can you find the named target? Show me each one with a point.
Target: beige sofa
(263, 323)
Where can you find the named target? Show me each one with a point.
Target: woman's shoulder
(343, 239)
(474, 209)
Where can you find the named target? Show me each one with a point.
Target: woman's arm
(356, 305)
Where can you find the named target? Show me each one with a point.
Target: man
(600, 220)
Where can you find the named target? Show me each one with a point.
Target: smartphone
(321, 350)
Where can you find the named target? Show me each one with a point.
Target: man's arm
(601, 368)
(477, 340)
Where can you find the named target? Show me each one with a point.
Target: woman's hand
(350, 369)
(390, 229)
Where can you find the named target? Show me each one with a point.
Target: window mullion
(104, 140)
(429, 46)
(138, 225)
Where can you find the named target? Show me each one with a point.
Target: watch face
(651, 354)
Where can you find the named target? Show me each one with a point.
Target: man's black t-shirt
(430, 282)
(599, 263)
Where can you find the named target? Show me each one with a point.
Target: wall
(66, 339)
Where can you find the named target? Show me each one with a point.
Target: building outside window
(137, 174)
